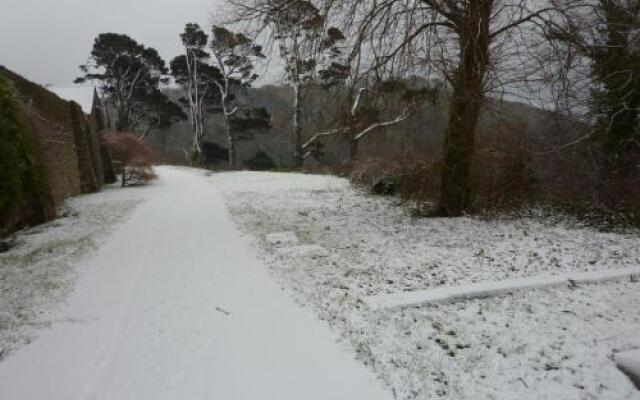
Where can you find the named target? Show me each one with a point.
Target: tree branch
(380, 125)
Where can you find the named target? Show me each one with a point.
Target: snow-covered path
(176, 306)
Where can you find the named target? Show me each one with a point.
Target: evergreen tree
(129, 75)
(307, 50)
(615, 68)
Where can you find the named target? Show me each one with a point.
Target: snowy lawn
(37, 274)
(332, 246)
(175, 305)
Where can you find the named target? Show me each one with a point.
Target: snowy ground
(38, 273)
(174, 305)
(332, 246)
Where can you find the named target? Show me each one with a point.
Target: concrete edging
(493, 288)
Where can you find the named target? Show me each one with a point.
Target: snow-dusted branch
(317, 136)
(380, 125)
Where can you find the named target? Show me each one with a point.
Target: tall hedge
(20, 178)
(84, 146)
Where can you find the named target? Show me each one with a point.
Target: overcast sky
(46, 40)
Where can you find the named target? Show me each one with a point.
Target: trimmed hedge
(20, 178)
(87, 164)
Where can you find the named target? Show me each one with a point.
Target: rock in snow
(629, 363)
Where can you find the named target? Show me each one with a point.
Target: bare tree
(464, 42)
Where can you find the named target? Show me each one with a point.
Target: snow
(629, 362)
(175, 305)
(154, 293)
(304, 251)
(282, 239)
(486, 289)
(545, 343)
(38, 273)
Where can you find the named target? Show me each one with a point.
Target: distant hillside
(419, 136)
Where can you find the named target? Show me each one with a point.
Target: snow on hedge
(551, 343)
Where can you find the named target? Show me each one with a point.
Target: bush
(502, 174)
(412, 179)
(260, 162)
(509, 175)
(214, 155)
(502, 171)
(134, 157)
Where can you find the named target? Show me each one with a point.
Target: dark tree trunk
(233, 163)
(353, 150)
(107, 165)
(123, 124)
(298, 153)
(196, 155)
(464, 109)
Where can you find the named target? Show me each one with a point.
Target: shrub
(134, 157)
(214, 155)
(412, 179)
(260, 162)
(503, 176)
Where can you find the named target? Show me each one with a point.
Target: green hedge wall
(20, 178)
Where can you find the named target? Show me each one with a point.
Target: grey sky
(46, 40)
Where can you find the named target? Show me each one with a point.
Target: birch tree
(305, 42)
(297, 26)
(234, 55)
(198, 80)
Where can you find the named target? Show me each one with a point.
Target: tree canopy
(129, 76)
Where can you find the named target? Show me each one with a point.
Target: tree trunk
(297, 128)
(233, 163)
(353, 150)
(196, 151)
(123, 124)
(456, 196)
